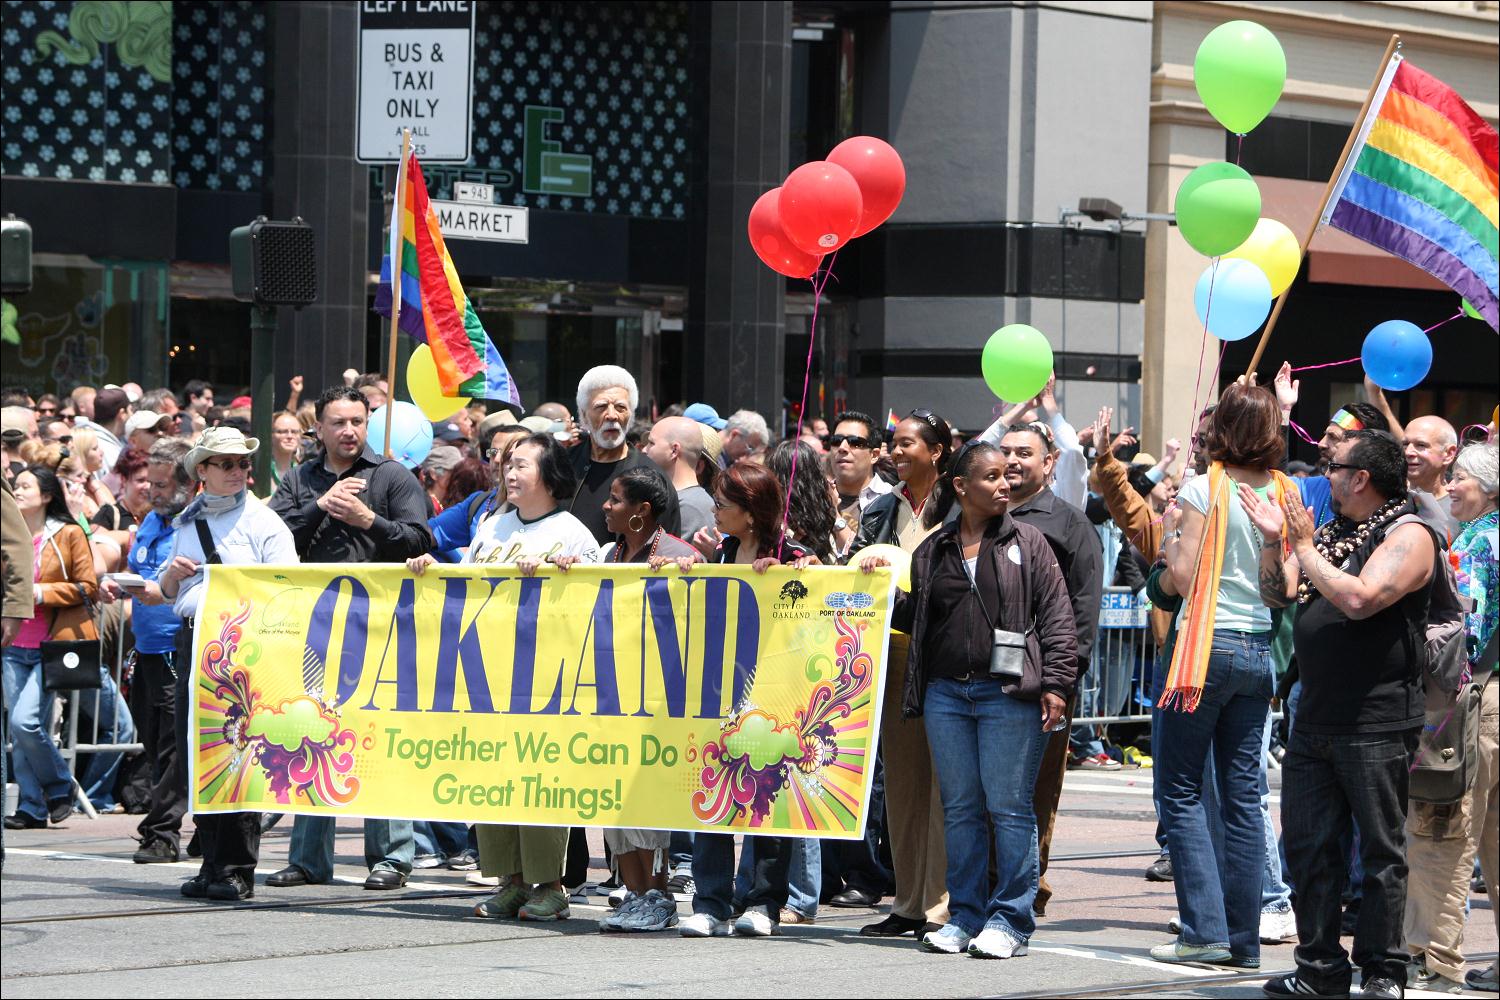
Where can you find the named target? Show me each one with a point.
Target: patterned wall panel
(599, 95)
(221, 100)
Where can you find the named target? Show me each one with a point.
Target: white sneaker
(1276, 928)
(950, 939)
(702, 925)
(617, 897)
(1174, 926)
(992, 942)
(755, 923)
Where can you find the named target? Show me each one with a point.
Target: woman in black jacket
(991, 667)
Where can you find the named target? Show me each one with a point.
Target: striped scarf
(1195, 636)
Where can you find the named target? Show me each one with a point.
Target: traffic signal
(15, 256)
(274, 263)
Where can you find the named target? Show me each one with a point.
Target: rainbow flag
(891, 420)
(434, 309)
(1420, 183)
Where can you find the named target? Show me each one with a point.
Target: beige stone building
(1333, 51)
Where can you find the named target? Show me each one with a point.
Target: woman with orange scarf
(1218, 690)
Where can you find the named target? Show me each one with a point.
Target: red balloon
(878, 170)
(820, 206)
(769, 240)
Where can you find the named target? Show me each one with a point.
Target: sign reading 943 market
(416, 71)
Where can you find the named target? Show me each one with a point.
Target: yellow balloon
(1274, 249)
(422, 383)
(899, 558)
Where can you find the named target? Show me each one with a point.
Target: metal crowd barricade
(1117, 688)
(111, 728)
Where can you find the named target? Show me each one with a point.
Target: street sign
(1122, 610)
(473, 194)
(494, 223)
(416, 71)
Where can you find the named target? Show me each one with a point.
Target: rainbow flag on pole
(1420, 183)
(434, 309)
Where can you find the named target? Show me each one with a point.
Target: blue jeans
(1219, 891)
(986, 751)
(388, 844)
(41, 772)
(713, 872)
(445, 840)
(1084, 741)
(114, 724)
(1274, 893)
(804, 874)
(680, 853)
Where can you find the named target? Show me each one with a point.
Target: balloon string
(1301, 433)
(1239, 151)
(1329, 364)
(1208, 309)
(812, 336)
(1445, 322)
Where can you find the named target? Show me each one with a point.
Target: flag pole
(396, 239)
(1312, 228)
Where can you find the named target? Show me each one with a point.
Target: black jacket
(1079, 555)
(1032, 598)
(400, 505)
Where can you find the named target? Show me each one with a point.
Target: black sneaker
(24, 821)
(196, 887)
(155, 852)
(60, 810)
(194, 849)
(1291, 986)
(1160, 870)
(682, 886)
(1382, 986)
(464, 861)
(231, 889)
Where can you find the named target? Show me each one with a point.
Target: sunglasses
(723, 504)
(853, 440)
(243, 464)
(1341, 465)
(46, 411)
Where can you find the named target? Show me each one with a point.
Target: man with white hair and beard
(607, 401)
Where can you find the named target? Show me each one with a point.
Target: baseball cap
(447, 430)
(705, 414)
(142, 420)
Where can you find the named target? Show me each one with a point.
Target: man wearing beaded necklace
(1362, 582)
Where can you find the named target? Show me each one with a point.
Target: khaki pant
(914, 811)
(537, 852)
(1044, 798)
(1440, 857)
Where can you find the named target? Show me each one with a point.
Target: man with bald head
(675, 444)
(1431, 447)
(558, 414)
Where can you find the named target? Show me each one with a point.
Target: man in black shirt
(350, 506)
(607, 401)
(1361, 583)
(1029, 460)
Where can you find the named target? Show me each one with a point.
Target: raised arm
(1376, 396)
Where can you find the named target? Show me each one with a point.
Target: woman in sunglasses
(223, 524)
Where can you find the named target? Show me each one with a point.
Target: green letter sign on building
(548, 170)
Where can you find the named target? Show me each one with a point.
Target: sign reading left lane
(416, 66)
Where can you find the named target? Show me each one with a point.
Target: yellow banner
(604, 696)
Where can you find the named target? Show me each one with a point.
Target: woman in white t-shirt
(531, 531)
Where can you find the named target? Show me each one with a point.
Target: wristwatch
(840, 524)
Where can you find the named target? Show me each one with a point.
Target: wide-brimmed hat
(218, 441)
(713, 445)
(500, 418)
(142, 420)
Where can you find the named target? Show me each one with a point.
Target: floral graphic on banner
(295, 747)
(803, 773)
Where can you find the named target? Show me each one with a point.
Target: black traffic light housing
(15, 256)
(274, 263)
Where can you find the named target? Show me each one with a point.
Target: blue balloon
(1397, 355)
(1240, 302)
(411, 433)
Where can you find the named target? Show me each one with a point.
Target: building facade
(134, 137)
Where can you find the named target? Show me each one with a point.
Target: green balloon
(1470, 311)
(1217, 208)
(1239, 72)
(1017, 361)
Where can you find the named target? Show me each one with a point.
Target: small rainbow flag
(1420, 183)
(434, 309)
(891, 420)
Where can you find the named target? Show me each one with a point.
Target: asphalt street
(77, 918)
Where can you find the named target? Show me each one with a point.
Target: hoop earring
(636, 527)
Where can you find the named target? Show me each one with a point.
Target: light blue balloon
(1397, 355)
(1241, 298)
(411, 433)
